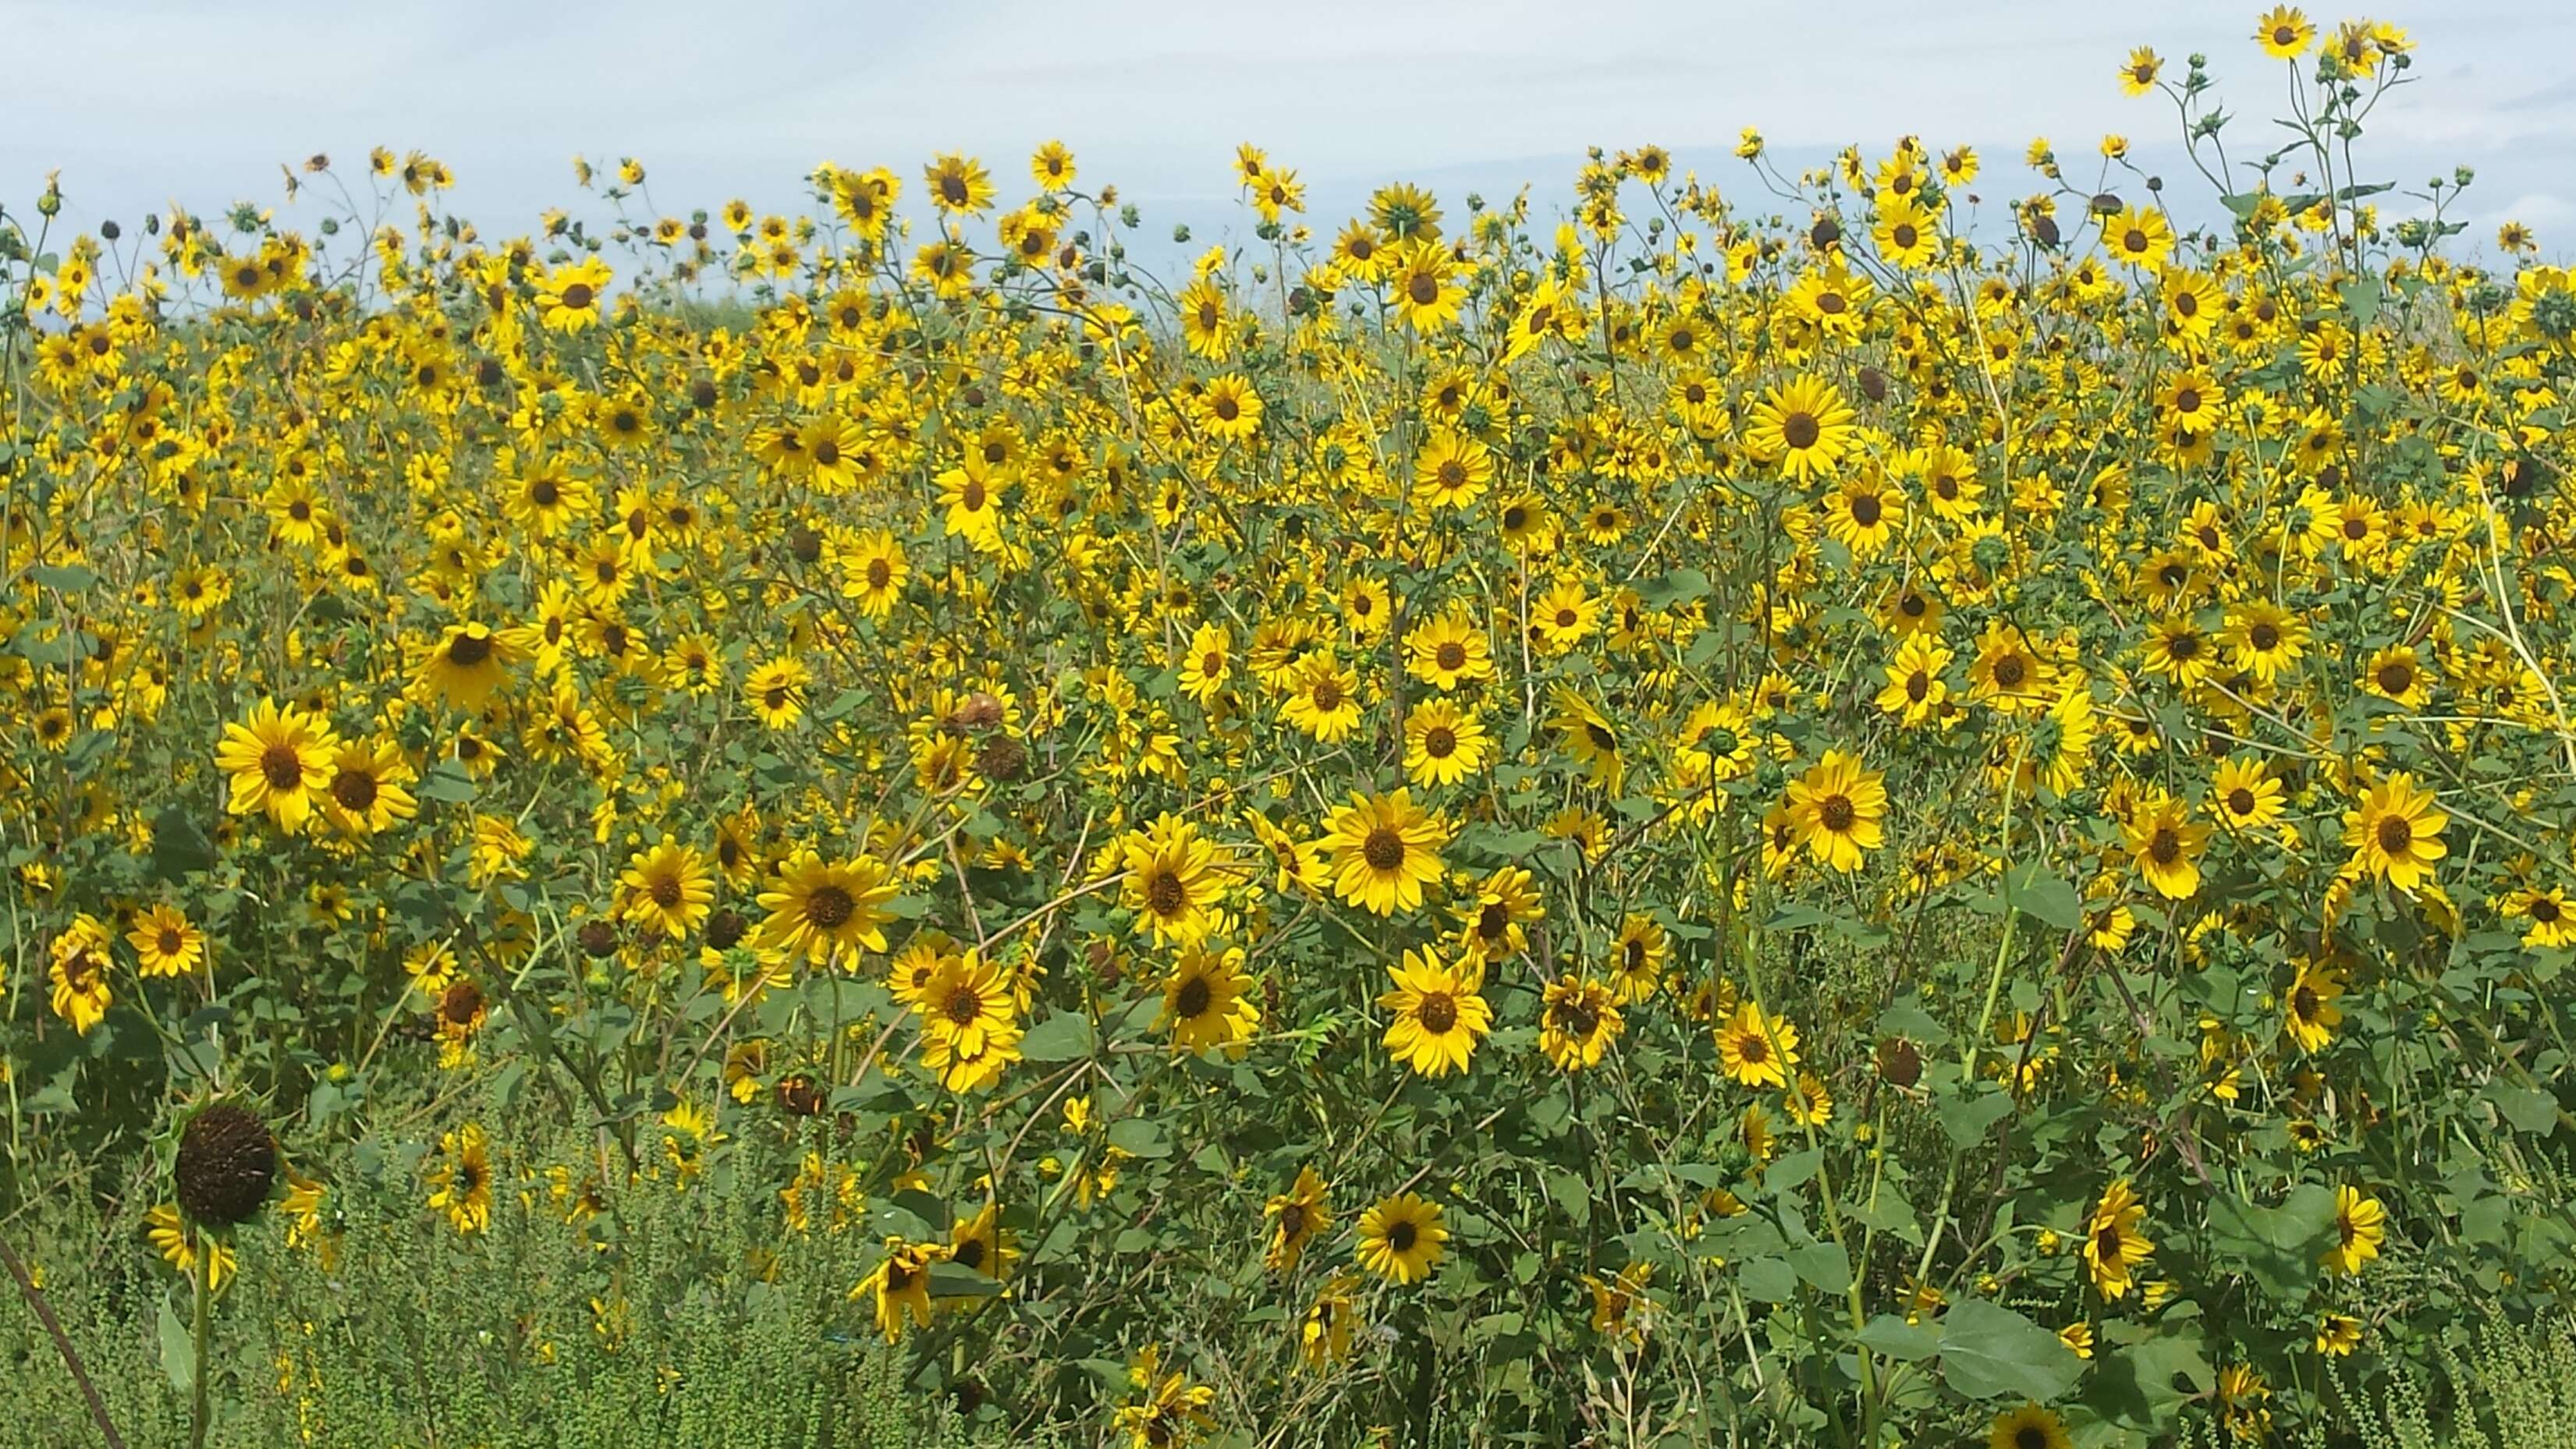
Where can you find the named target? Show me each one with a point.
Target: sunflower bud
(598, 938)
(1899, 1062)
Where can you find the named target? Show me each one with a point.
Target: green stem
(201, 1329)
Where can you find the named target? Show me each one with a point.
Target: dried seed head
(227, 1165)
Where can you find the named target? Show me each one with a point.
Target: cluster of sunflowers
(1872, 809)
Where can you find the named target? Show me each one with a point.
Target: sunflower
(165, 944)
(1422, 279)
(873, 571)
(823, 908)
(967, 1001)
(78, 971)
(959, 185)
(1297, 1217)
(2338, 1334)
(1590, 738)
(569, 297)
(1324, 1337)
(2244, 796)
(775, 691)
(1401, 1239)
(669, 888)
(2028, 1427)
(1325, 703)
(982, 1245)
(1174, 881)
(1452, 470)
(1493, 923)
(897, 1290)
(1206, 1003)
(2138, 238)
(1564, 616)
(1637, 958)
(1915, 689)
(464, 1178)
(971, 495)
(1756, 1049)
(367, 793)
(1383, 850)
(1448, 651)
(469, 661)
(2113, 1244)
(180, 1245)
(2285, 32)
(2264, 639)
(1804, 426)
(1864, 515)
(1230, 408)
(1439, 1013)
(2396, 833)
(1836, 807)
(2398, 674)
(1577, 1019)
(2361, 1225)
(2165, 845)
(280, 761)
(2553, 922)
(1443, 744)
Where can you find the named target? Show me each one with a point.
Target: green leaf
(1988, 1352)
(178, 1350)
(1900, 1340)
(1140, 1137)
(1063, 1037)
(2277, 1247)
(449, 783)
(955, 1280)
(2528, 1109)
(1968, 1116)
(2144, 1387)
(1824, 1267)
(69, 578)
(179, 845)
(2044, 897)
(1769, 1280)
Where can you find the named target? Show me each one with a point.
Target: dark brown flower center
(830, 908)
(282, 767)
(1383, 849)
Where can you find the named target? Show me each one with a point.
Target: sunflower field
(1858, 812)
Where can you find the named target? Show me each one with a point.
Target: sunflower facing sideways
(1297, 1217)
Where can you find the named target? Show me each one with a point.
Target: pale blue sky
(142, 101)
